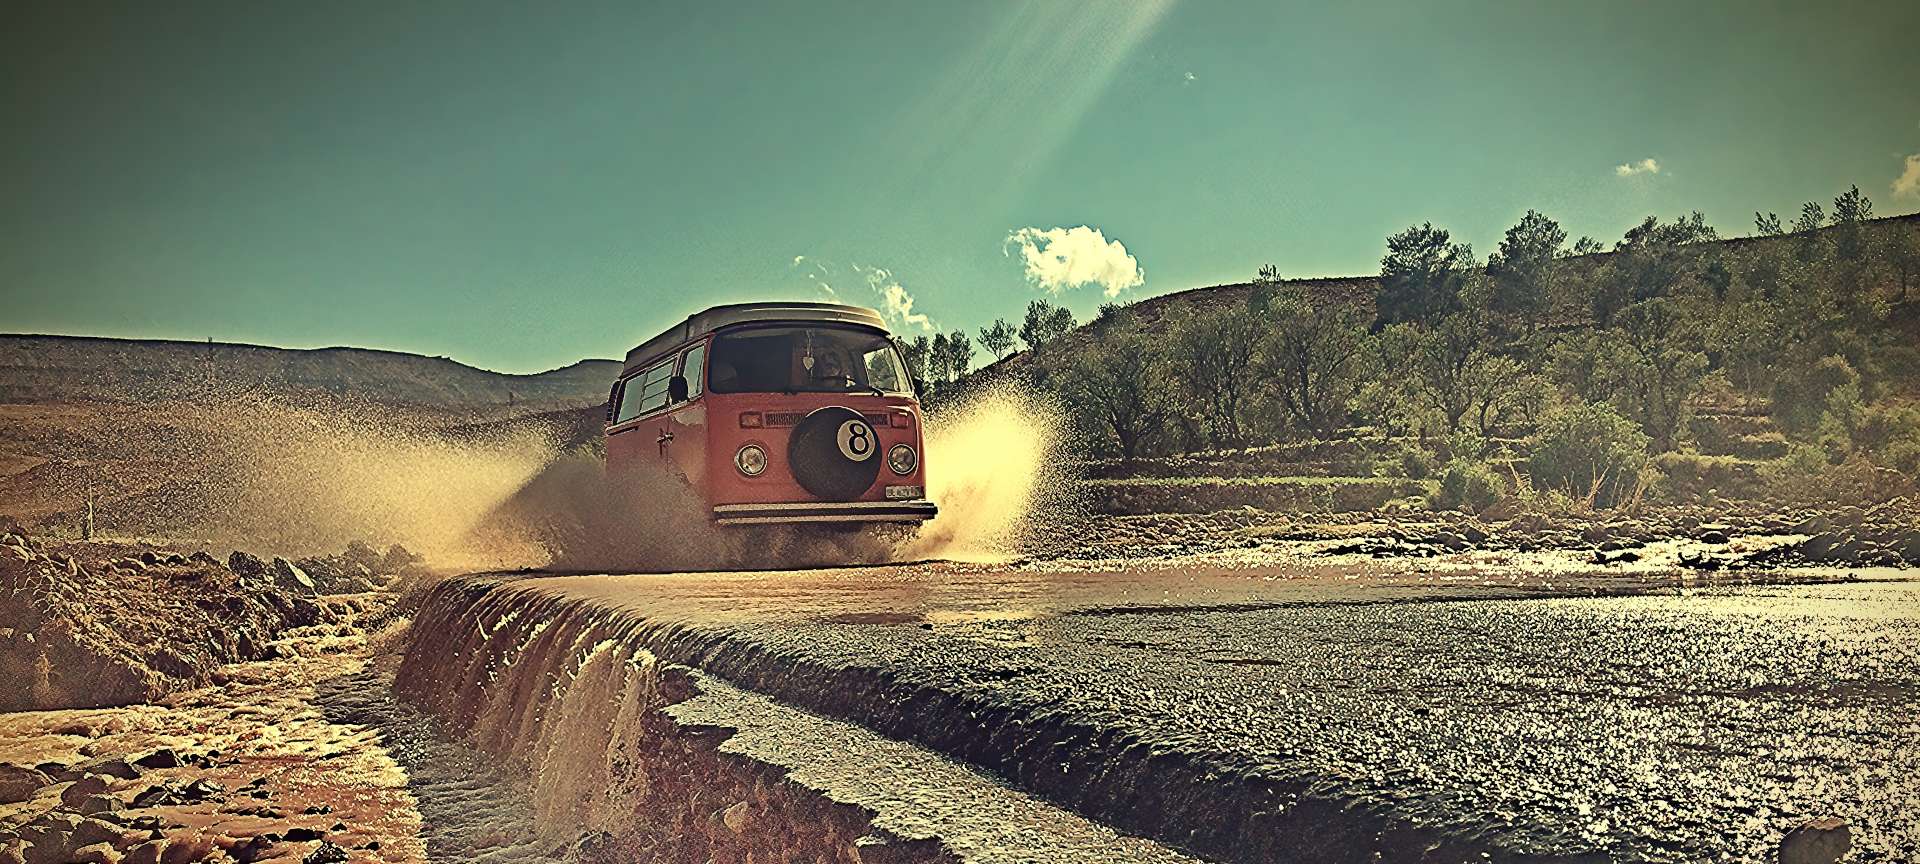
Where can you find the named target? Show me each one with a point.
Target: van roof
(701, 323)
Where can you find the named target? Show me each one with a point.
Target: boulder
(110, 766)
(82, 789)
(19, 783)
(96, 853)
(288, 576)
(1714, 537)
(1821, 841)
(164, 757)
(248, 568)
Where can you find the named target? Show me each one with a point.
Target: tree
(998, 338)
(1851, 211)
(1767, 225)
(1812, 245)
(1812, 217)
(1652, 260)
(1421, 275)
(1903, 258)
(915, 353)
(959, 354)
(1210, 353)
(1665, 367)
(1450, 369)
(1587, 246)
(1044, 323)
(1523, 267)
(1313, 354)
(1113, 386)
(940, 360)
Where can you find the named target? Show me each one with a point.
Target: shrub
(1891, 434)
(1592, 454)
(1802, 392)
(1469, 485)
(1415, 463)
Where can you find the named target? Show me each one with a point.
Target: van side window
(644, 392)
(693, 367)
(653, 387)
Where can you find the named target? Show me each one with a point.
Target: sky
(519, 185)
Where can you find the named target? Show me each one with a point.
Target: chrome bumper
(824, 511)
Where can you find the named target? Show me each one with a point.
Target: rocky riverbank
(87, 625)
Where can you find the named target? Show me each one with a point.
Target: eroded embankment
(577, 701)
(575, 690)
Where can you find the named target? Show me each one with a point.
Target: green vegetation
(1675, 365)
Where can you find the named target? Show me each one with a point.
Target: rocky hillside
(71, 368)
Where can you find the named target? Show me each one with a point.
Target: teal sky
(518, 186)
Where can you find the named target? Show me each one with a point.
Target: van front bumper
(824, 511)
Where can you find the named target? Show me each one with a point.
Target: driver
(829, 368)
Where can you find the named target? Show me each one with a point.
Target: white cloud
(1907, 185)
(896, 305)
(894, 302)
(1057, 259)
(1645, 166)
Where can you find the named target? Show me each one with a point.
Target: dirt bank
(86, 625)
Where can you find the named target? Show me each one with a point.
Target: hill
(45, 369)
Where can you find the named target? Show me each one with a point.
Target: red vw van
(775, 413)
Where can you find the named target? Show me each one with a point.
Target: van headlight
(902, 459)
(751, 460)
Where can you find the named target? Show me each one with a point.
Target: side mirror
(677, 388)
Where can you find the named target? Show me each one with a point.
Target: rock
(303, 834)
(82, 789)
(13, 851)
(248, 568)
(164, 757)
(1716, 538)
(112, 766)
(737, 817)
(148, 852)
(19, 784)
(95, 853)
(290, 577)
(97, 805)
(397, 559)
(1821, 841)
(92, 831)
(1450, 540)
(252, 849)
(326, 853)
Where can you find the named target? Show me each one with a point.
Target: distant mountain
(79, 368)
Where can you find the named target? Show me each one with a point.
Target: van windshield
(805, 359)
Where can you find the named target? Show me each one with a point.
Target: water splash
(996, 466)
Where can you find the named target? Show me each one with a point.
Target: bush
(1469, 485)
(1415, 463)
(1592, 454)
(1891, 434)
(1802, 392)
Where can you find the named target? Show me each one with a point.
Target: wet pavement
(1340, 710)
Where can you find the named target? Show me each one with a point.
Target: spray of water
(299, 480)
(996, 466)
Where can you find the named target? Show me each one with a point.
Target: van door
(685, 426)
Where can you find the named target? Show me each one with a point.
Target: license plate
(901, 493)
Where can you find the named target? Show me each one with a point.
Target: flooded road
(1306, 711)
